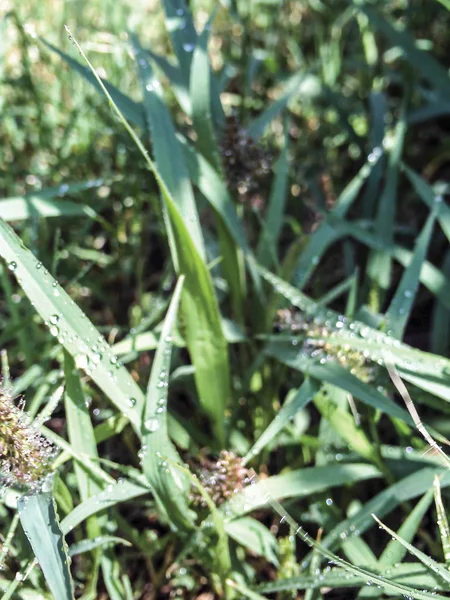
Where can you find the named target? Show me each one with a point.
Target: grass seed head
(25, 455)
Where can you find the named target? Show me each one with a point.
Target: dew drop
(188, 47)
(152, 424)
(82, 361)
(12, 266)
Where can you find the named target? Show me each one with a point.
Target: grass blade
(40, 524)
(71, 326)
(169, 488)
(203, 330)
(301, 398)
(397, 314)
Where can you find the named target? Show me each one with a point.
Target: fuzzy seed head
(221, 478)
(25, 455)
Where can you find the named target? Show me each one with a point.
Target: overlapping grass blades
(203, 330)
(425, 370)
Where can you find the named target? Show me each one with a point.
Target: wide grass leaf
(71, 327)
(40, 523)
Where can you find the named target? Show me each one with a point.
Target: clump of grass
(25, 454)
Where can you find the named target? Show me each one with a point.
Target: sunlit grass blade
(297, 484)
(399, 310)
(20, 208)
(111, 496)
(71, 327)
(131, 110)
(98, 542)
(40, 523)
(442, 521)
(255, 536)
(169, 487)
(371, 576)
(344, 425)
(167, 151)
(82, 438)
(79, 426)
(203, 331)
(300, 399)
(425, 370)
(431, 564)
(414, 575)
(333, 373)
(394, 552)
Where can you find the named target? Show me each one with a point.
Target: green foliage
(221, 235)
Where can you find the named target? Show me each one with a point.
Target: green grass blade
(432, 200)
(183, 36)
(442, 521)
(166, 148)
(202, 100)
(99, 542)
(325, 234)
(203, 330)
(71, 327)
(344, 425)
(399, 310)
(25, 207)
(169, 488)
(297, 484)
(113, 495)
(131, 110)
(267, 245)
(427, 371)
(431, 564)
(40, 523)
(379, 267)
(394, 552)
(414, 575)
(300, 399)
(79, 427)
(255, 536)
